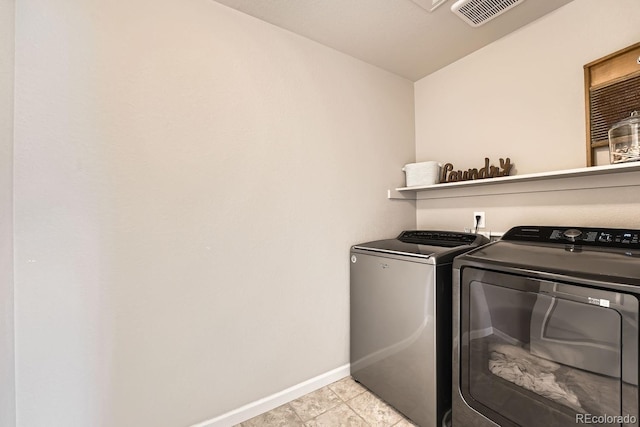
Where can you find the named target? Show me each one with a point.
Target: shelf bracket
(394, 194)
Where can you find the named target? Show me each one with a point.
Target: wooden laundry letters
(488, 171)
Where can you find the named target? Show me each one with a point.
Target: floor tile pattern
(344, 403)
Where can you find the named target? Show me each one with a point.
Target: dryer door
(541, 353)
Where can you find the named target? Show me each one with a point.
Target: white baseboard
(268, 403)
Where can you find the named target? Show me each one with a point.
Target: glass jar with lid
(624, 140)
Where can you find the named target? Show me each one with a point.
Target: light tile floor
(343, 403)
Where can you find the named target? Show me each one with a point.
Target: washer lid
(426, 243)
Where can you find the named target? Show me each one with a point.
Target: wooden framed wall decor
(612, 92)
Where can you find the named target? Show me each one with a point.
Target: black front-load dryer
(546, 329)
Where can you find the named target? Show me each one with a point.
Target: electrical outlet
(481, 222)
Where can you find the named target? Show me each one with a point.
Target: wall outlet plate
(481, 223)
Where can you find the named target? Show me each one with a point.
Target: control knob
(572, 234)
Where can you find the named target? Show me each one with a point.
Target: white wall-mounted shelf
(608, 176)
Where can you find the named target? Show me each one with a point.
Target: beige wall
(522, 97)
(7, 383)
(188, 181)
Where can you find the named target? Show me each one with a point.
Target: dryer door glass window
(535, 353)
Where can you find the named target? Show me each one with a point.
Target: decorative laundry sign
(488, 171)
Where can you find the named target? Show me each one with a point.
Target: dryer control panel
(587, 236)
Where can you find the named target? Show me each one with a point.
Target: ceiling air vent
(478, 12)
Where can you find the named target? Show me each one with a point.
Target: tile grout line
(296, 414)
(337, 395)
(402, 417)
(346, 403)
(323, 412)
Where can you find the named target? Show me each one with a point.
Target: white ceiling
(396, 35)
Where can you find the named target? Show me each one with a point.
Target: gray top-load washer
(401, 319)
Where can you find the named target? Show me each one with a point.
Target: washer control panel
(440, 238)
(587, 236)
